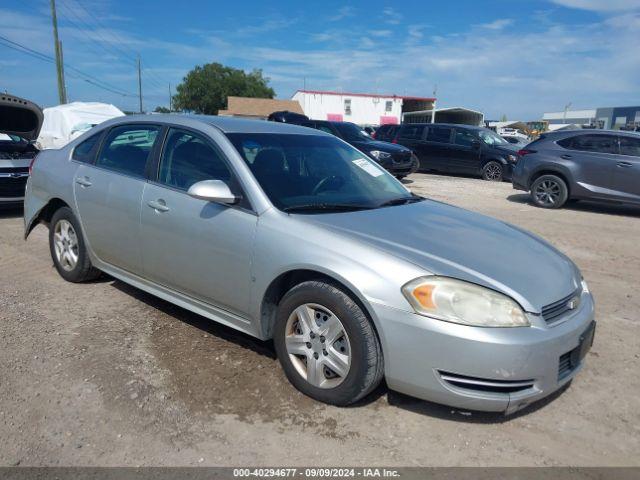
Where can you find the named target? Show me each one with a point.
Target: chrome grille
(554, 311)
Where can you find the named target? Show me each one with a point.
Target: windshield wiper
(401, 201)
(338, 207)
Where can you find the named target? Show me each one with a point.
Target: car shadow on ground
(198, 321)
(585, 206)
(265, 348)
(11, 211)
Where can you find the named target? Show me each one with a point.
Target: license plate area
(586, 340)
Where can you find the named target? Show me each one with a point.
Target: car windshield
(351, 132)
(317, 174)
(491, 138)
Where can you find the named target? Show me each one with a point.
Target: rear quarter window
(86, 151)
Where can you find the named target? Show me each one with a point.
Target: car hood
(20, 117)
(378, 145)
(450, 241)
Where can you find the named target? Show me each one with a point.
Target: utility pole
(564, 117)
(64, 83)
(435, 100)
(140, 83)
(170, 100)
(62, 94)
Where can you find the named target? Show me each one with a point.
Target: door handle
(84, 182)
(158, 205)
(625, 164)
(566, 156)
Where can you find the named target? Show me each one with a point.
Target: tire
(492, 171)
(67, 248)
(329, 309)
(400, 177)
(549, 191)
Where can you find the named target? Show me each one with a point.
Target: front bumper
(487, 369)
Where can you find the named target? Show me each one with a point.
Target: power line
(42, 56)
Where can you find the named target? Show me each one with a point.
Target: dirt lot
(103, 374)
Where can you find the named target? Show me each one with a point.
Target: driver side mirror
(475, 144)
(213, 191)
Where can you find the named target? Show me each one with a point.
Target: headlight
(585, 287)
(462, 302)
(379, 155)
(512, 158)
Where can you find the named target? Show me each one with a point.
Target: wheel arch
(550, 171)
(45, 214)
(289, 279)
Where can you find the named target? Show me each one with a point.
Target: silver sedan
(290, 234)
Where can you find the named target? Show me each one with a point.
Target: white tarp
(66, 122)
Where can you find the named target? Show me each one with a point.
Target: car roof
(590, 131)
(438, 124)
(225, 124)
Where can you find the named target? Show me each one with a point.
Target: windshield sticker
(368, 167)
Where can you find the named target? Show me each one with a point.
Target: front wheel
(326, 344)
(492, 171)
(67, 248)
(549, 191)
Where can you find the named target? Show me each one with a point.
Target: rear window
(439, 134)
(591, 143)
(412, 132)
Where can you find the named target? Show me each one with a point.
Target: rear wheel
(492, 171)
(549, 191)
(67, 248)
(326, 344)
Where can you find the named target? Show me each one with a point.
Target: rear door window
(630, 146)
(591, 143)
(412, 132)
(464, 137)
(439, 134)
(127, 149)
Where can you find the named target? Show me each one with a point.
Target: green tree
(160, 109)
(504, 117)
(205, 88)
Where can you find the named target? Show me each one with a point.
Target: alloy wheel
(318, 345)
(547, 192)
(493, 172)
(65, 242)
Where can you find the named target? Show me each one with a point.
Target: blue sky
(518, 58)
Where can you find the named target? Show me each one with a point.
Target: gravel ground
(104, 374)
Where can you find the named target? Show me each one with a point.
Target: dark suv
(398, 160)
(580, 165)
(456, 148)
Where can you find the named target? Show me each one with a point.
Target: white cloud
(391, 16)
(600, 5)
(498, 24)
(343, 12)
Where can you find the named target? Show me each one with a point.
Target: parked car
(454, 148)
(395, 158)
(20, 122)
(386, 133)
(285, 116)
(369, 130)
(580, 165)
(516, 143)
(290, 234)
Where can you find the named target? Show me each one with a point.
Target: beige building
(258, 107)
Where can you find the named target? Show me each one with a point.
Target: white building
(360, 108)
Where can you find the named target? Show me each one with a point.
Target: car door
(438, 147)
(108, 194)
(412, 137)
(199, 248)
(626, 174)
(465, 153)
(594, 157)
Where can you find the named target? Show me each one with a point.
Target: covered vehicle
(20, 122)
(63, 123)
